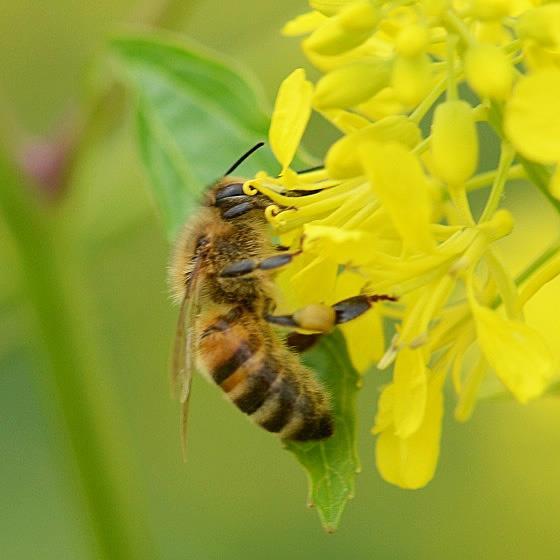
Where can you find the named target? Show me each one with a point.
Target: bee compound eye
(315, 317)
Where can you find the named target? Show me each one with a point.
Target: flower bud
(411, 78)
(454, 144)
(351, 84)
(412, 40)
(348, 29)
(493, 33)
(489, 71)
(434, 8)
(329, 7)
(303, 24)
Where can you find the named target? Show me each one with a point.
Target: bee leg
(322, 318)
(246, 266)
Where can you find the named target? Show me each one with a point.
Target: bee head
(231, 200)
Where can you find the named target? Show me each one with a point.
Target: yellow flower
(390, 211)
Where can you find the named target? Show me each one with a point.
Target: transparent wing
(183, 361)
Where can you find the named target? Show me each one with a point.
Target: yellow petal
(290, 116)
(411, 462)
(554, 186)
(489, 71)
(532, 118)
(516, 352)
(315, 283)
(454, 144)
(365, 340)
(396, 176)
(343, 158)
(384, 415)
(349, 247)
(410, 380)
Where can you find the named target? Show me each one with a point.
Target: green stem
(426, 104)
(541, 260)
(460, 199)
(506, 159)
(506, 286)
(484, 179)
(456, 24)
(452, 92)
(119, 536)
(530, 269)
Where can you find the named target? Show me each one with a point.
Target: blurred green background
(496, 494)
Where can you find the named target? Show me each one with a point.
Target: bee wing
(183, 361)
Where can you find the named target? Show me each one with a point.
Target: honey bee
(222, 273)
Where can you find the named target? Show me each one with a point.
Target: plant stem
(118, 535)
(484, 179)
(426, 104)
(506, 158)
(544, 274)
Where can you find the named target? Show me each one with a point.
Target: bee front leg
(321, 318)
(246, 266)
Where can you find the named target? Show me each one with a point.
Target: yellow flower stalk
(391, 210)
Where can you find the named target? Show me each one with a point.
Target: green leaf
(332, 464)
(196, 115)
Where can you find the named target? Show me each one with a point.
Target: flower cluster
(390, 211)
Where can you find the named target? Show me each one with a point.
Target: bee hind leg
(321, 318)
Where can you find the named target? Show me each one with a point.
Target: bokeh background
(496, 494)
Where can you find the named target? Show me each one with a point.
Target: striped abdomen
(263, 378)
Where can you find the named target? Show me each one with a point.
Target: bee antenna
(243, 158)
